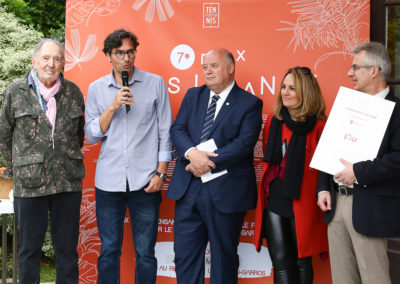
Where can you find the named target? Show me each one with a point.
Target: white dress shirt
(222, 97)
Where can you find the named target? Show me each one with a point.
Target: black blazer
(376, 200)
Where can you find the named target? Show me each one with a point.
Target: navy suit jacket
(235, 131)
(376, 200)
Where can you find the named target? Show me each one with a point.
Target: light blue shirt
(136, 141)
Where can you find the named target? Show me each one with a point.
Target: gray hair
(39, 46)
(375, 54)
(229, 56)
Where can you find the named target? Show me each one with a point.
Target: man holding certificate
(362, 201)
(216, 129)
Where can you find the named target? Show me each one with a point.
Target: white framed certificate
(354, 130)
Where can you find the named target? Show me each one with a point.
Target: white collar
(224, 94)
(382, 94)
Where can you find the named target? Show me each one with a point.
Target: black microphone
(125, 83)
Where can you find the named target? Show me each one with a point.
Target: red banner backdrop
(266, 38)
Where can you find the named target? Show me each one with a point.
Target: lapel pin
(227, 103)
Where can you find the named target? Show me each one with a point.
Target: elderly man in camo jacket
(41, 133)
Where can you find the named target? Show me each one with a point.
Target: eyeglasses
(47, 59)
(120, 54)
(355, 67)
(304, 70)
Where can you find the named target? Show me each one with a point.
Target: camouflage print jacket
(36, 166)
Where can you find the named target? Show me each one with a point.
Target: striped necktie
(209, 120)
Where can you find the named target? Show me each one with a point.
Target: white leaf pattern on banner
(86, 146)
(104, 8)
(77, 11)
(327, 23)
(73, 52)
(155, 5)
(89, 241)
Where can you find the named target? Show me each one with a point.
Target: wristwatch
(162, 176)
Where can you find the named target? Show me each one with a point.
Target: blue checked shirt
(136, 141)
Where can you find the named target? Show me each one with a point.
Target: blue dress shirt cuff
(166, 156)
(95, 128)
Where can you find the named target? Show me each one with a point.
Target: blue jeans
(32, 217)
(110, 213)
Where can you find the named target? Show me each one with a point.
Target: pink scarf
(48, 95)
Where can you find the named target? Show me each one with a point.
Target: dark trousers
(198, 221)
(280, 233)
(32, 218)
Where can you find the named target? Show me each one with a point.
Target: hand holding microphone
(125, 83)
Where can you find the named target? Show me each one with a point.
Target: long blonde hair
(309, 93)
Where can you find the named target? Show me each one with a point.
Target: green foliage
(47, 271)
(48, 17)
(9, 264)
(48, 256)
(47, 268)
(47, 247)
(17, 42)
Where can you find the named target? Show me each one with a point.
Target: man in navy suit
(213, 211)
(362, 202)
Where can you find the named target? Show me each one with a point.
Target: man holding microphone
(135, 151)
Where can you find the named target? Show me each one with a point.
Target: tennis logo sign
(210, 15)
